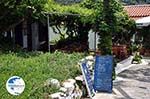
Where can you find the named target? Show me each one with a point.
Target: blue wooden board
(103, 73)
(87, 78)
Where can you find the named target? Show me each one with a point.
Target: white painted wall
(92, 40)
(53, 36)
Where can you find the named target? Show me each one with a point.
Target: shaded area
(71, 45)
(139, 74)
(123, 93)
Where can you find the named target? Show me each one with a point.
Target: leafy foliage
(78, 19)
(111, 19)
(12, 12)
(52, 7)
(90, 13)
(75, 19)
(137, 58)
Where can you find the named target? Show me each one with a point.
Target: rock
(90, 63)
(79, 78)
(56, 95)
(62, 95)
(69, 86)
(80, 81)
(89, 58)
(52, 82)
(82, 60)
(63, 89)
(72, 81)
(77, 93)
(69, 89)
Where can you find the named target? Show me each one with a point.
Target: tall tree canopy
(75, 18)
(90, 15)
(110, 21)
(13, 12)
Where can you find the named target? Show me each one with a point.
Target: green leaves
(111, 20)
(52, 7)
(12, 11)
(105, 20)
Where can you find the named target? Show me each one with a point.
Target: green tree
(76, 18)
(111, 20)
(13, 12)
(107, 28)
(108, 19)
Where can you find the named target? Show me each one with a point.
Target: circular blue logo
(15, 85)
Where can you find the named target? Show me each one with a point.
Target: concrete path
(126, 64)
(131, 83)
(135, 83)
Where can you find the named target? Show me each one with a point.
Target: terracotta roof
(138, 11)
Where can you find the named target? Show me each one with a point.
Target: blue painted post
(103, 74)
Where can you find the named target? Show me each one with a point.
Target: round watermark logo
(15, 85)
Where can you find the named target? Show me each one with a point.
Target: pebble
(79, 78)
(52, 82)
(69, 86)
(72, 81)
(89, 58)
(90, 63)
(56, 95)
(63, 89)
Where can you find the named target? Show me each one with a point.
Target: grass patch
(35, 68)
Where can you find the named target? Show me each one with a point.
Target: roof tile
(138, 11)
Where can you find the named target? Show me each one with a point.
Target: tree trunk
(106, 35)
